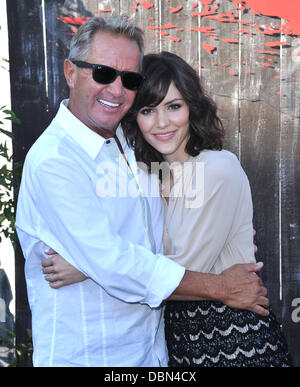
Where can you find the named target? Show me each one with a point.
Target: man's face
(99, 106)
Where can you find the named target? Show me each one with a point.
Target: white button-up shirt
(79, 197)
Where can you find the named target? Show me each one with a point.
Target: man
(114, 317)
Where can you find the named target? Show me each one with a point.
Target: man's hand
(242, 288)
(60, 272)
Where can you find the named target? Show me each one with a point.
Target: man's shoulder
(47, 146)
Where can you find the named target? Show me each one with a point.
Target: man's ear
(70, 72)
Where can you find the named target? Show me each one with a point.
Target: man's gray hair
(120, 25)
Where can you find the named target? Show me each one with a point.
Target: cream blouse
(208, 217)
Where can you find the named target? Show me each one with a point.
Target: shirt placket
(120, 161)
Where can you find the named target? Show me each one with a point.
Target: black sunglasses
(105, 75)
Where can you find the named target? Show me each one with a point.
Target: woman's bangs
(155, 89)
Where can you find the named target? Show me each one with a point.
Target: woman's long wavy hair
(206, 130)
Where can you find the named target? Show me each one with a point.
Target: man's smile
(108, 103)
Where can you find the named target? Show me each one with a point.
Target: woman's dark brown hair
(206, 129)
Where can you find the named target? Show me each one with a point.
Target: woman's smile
(165, 136)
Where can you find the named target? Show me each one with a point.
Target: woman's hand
(59, 272)
(255, 247)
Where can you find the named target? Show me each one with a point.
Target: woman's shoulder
(216, 155)
(222, 165)
(218, 158)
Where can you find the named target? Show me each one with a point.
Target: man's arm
(238, 287)
(79, 228)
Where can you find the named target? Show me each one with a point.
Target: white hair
(120, 25)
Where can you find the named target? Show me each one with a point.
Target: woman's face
(166, 126)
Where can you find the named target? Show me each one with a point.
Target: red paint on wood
(206, 30)
(288, 10)
(176, 9)
(162, 33)
(166, 27)
(267, 52)
(205, 2)
(220, 19)
(102, 10)
(173, 39)
(147, 4)
(230, 40)
(274, 44)
(207, 9)
(73, 20)
(208, 47)
(242, 31)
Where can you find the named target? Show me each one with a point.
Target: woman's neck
(177, 158)
(172, 160)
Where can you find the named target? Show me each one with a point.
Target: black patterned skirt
(210, 334)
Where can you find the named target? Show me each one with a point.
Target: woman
(173, 120)
(208, 215)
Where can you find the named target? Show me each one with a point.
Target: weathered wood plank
(260, 152)
(220, 69)
(27, 68)
(290, 198)
(145, 18)
(180, 39)
(28, 91)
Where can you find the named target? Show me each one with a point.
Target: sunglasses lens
(132, 81)
(103, 74)
(106, 75)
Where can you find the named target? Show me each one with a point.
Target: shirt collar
(90, 141)
(122, 139)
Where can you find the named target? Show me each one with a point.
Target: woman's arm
(59, 272)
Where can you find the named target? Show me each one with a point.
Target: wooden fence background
(249, 61)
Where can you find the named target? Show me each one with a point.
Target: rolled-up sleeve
(82, 233)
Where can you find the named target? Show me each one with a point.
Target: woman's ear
(70, 72)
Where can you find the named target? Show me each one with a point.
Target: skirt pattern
(211, 334)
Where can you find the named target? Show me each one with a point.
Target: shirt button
(108, 142)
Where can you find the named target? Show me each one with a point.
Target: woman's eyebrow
(173, 100)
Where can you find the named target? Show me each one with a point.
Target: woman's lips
(164, 136)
